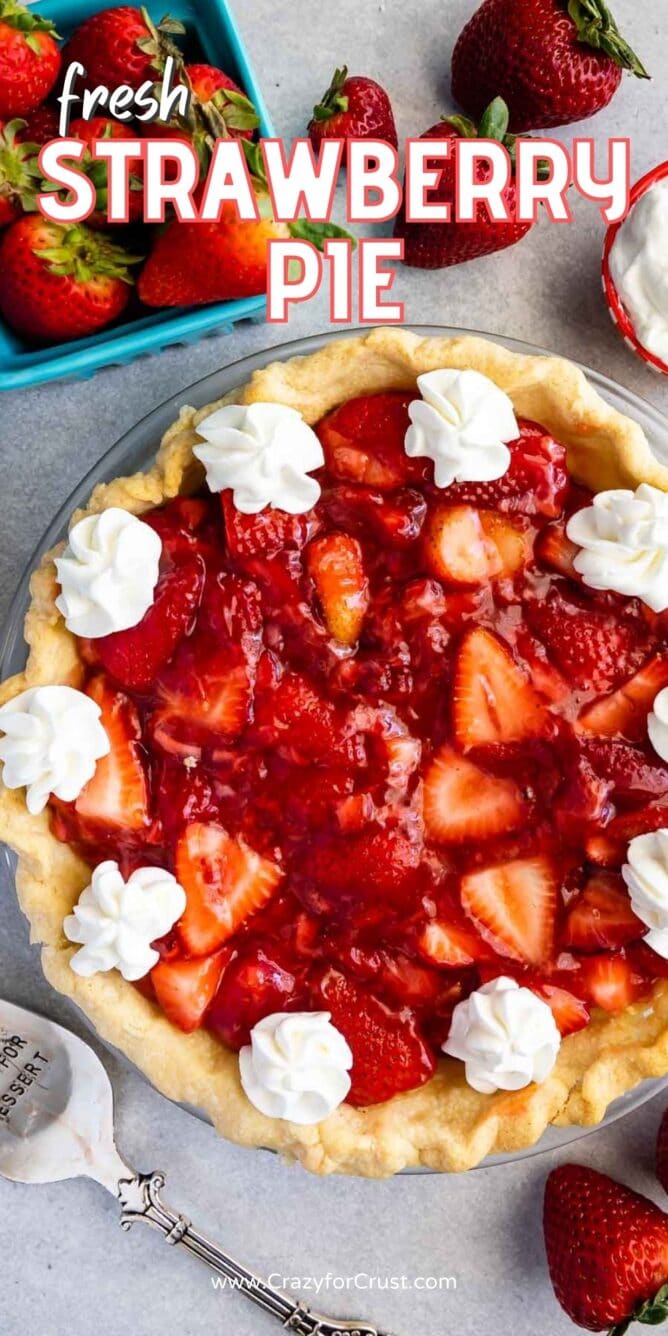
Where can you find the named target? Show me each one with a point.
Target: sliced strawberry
(136, 656)
(406, 981)
(389, 1053)
(180, 523)
(117, 795)
(204, 693)
(457, 548)
(609, 982)
(492, 699)
(536, 483)
(627, 769)
(601, 918)
(624, 712)
(364, 440)
(556, 551)
(258, 982)
(267, 532)
(511, 539)
(452, 944)
(336, 567)
(627, 825)
(513, 906)
(462, 802)
(604, 852)
(395, 518)
(225, 883)
(376, 865)
(569, 1011)
(186, 988)
(592, 648)
(545, 677)
(583, 800)
(293, 715)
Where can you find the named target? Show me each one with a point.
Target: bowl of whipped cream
(635, 270)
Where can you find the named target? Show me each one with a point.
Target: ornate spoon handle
(140, 1200)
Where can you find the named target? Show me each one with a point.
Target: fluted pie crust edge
(445, 1125)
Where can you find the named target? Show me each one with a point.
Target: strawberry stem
(25, 20)
(84, 254)
(317, 233)
(652, 1312)
(334, 100)
(597, 28)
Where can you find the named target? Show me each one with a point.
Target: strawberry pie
(338, 772)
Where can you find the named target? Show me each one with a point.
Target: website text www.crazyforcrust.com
(360, 1281)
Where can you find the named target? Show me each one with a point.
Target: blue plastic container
(212, 36)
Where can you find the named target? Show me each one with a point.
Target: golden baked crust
(445, 1125)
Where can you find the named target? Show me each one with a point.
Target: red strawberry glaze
(378, 825)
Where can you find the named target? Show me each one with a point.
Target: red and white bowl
(614, 302)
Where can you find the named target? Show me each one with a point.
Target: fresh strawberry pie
(344, 746)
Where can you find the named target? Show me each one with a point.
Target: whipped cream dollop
(107, 573)
(462, 422)
(296, 1066)
(639, 268)
(646, 876)
(52, 740)
(116, 921)
(657, 724)
(265, 453)
(505, 1035)
(623, 541)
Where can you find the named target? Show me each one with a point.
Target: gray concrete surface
(67, 1269)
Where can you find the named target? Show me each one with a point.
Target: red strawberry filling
(392, 749)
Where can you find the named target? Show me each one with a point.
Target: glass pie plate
(136, 450)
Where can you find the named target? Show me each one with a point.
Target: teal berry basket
(212, 35)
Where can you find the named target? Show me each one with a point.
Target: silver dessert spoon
(57, 1122)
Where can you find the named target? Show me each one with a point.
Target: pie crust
(444, 1125)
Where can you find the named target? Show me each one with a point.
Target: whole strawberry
(29, 59)
(60, 282)
(662, 1153)
(437, 245)
(39, 126)
(553, 61)
(121, 46)
(218, 109)
(102, 127)
(19, 173)
(354, 107)
(607, 1250)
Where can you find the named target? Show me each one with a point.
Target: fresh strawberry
(513, 906)
(218, 109)
(29, 59)
(268, 532)
(662, 1152)
(293, 715)
(453, 944)
(354, 107)
(136, 656)
(117, 795)
(569, 1011)
(389, 1053)
(608, 981)
(39, 126)
(19, 174)
(601, 918)
(552, 62)
(465, 546)
(121, 46)
(463, 803)
(336, 567)
(626, 825)
(604, 852)
(60, 282)
(259, 982)
(627, 769)
(406, 981)
(535, 483)
(556, 551)
(624, 712)
(375, 866)
(364, 442)
(395, 518)
(592, 648)
(103, 127)
(583, 801)
(186, 988)
(204, 693)
(436, 245)
(607, 1250)
(225, 883)
(492, 700)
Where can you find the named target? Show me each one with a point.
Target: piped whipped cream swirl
(265, 453)
(646, 876)
(463, 423)
(116, 921)
(505, 1035)
(107, 573)
(623, 541)
(52, 741)
(296, 1066)
(657, 724)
